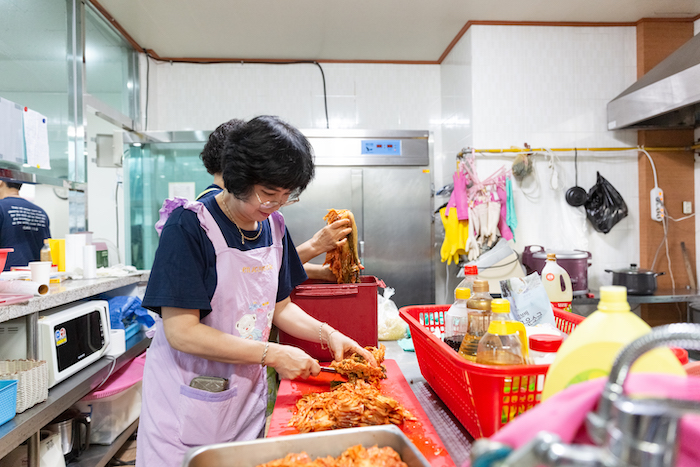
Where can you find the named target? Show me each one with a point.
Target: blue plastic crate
(8, 400)
(131, 330)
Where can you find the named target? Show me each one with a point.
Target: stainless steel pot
(74, 430)
(638, 281)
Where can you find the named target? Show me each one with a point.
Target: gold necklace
(243, 236)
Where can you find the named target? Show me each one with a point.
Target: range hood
(668, 96)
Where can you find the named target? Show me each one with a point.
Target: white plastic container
(557, 283)
(456, 319)
(113, 414)
(543, 348)
(116, 405)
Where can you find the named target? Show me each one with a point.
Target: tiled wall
(548, 87)
(362, 96)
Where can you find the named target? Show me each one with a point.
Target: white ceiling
(383, 30)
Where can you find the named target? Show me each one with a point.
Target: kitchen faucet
(628, 432)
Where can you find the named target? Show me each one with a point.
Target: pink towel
(564, 414)
(502, 222)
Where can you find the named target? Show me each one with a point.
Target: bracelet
(328, 339)
(264, 355)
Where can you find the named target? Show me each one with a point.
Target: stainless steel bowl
(321, 444)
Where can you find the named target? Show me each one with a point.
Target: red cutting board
(420, 432)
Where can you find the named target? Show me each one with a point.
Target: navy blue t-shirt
(184, 269)
(211, 190)
(23, 226)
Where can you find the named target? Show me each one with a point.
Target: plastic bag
(522, 166)
(605, 206)
(391, 326)
(528, 299)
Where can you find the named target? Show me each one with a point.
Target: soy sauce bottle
(456, 319)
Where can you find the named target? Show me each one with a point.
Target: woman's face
(262, 202)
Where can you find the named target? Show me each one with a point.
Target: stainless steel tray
(321, 444)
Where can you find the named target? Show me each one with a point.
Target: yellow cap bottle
(590, 350)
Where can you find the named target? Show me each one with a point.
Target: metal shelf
(660, 296)
(65, 394)
(99, 456)
(70, 291)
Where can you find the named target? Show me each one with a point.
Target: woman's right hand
(291, 362)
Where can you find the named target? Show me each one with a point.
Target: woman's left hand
(341, 345)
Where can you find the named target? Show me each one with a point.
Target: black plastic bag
(604, 206)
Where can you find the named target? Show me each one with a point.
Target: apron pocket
(207, 417)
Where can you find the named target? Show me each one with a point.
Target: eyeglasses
(276, 204)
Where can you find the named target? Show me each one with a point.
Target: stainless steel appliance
(384, 178)
(74, 430)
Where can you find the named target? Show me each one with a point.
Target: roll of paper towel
(89, 262)
(74, 252)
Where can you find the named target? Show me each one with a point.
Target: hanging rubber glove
(456, 234)
(449, 245)
(481, 227)
(494, 214)
(503, 228)
(472, 246)
(511, 218)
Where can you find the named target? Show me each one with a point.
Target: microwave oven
(70, 337)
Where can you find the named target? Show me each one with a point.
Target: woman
(327, 238)
(222, 276)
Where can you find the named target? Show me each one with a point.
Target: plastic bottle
(45, 252)
(592, 346)
(557, 283)
(456, 319)
(478, 319)
(505, 343)
(471, 273)
(543, 348)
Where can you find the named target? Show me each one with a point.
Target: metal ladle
(576, 196)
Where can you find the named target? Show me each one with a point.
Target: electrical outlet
(687, 207)
(656, 198)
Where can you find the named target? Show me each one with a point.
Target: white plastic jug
(557, 283)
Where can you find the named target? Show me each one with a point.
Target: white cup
(41, 272)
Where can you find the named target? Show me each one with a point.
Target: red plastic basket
(482, 397)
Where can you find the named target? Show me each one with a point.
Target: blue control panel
(384, 147)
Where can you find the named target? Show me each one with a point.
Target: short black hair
(13, 185)
(266, 151)
(211, 154)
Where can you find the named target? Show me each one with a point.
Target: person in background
(329, 237)
(222, 276)
(23, 226)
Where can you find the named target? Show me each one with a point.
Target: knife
(328, 369)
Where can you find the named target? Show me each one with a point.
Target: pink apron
(176, 417)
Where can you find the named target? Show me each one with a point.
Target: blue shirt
(23, 226)
(211, 190)
(184, 269)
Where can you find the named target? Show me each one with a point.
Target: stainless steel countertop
(456, 439)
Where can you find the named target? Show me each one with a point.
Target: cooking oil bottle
(590, 350)
(45, 252)
(456, 319)
(557, 283)
(505, 343)
(478, 319)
